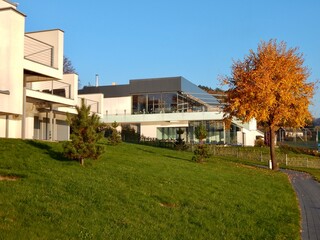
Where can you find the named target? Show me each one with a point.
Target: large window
(169, 102)
(170, 133)
(154, 103)
(139, 104)
(165, 103)
(217, 134)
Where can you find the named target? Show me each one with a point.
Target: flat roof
(153, 85)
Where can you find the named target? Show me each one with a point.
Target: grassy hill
(139, 192)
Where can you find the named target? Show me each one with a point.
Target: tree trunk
(81, 161)
(273, 149)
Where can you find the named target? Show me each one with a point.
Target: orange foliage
(270, 86)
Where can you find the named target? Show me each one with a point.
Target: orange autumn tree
(270, 86)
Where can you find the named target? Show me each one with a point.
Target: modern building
(158, 107)
(35, 95)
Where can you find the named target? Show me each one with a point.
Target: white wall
(150, 129)
(118, 106)
(95, 98)
(72, 79)
(11, 60)
(2, 126)
(4, 4)
(54, 38)
(249, 137)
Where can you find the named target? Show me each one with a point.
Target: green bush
(112, 135)
(201, 153)
(84, 136)
(128, 134)
(286, 149)
(259, 143)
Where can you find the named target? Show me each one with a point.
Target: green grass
(139, 192)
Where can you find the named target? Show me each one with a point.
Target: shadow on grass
(144, 150)
(57, 155)
(178, 158)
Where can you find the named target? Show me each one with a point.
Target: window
(139, 104)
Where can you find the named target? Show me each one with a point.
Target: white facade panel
(118, 106)
(11, 60)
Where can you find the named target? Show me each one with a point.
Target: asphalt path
(308, 193)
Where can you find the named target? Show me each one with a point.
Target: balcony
(37, 51)
(163, 117)
(94, 105)
(51, 91)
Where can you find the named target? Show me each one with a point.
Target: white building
(35, 95)
(158, 107)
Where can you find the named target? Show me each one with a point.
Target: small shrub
(128, 134)
(201, 153)
(84, 136)
(180, 144)
(202, 150)
(112, 135)
(259, 143)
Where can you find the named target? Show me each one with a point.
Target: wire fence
(254, 154)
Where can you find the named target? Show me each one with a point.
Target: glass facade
(217, 134)
(170, 133)
(154, 103)
(165, 103)
(139, 104)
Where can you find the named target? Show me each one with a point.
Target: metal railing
(94, 105)
(57, 88)
(38, 51)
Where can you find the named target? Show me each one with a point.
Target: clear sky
(197, 39)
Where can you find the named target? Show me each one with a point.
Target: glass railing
(94, 105)
(57, 88)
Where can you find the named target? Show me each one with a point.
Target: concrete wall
(118, 106)
(95, 100)
(12, 25)
(54, 38)
(150, 129)
(73, 80)
(4, 4)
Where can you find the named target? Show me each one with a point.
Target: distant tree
(316, 122)
(67, 66)
(179, 143)
(270, 86)
(129, 134)
(85, 134)
(217, 92)
(201, 152)
(111, 133)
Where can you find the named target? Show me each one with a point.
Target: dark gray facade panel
(152, 85)
(155, 85)
(108, 91)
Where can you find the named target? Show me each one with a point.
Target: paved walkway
(308, 192)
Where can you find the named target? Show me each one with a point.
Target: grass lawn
(139, 192)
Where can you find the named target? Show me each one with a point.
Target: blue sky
(197, 39)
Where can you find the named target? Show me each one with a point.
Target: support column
(224, 133)
(24, 103)
(47, 128)
(54, 127)
(51, 124)
(7, 126)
